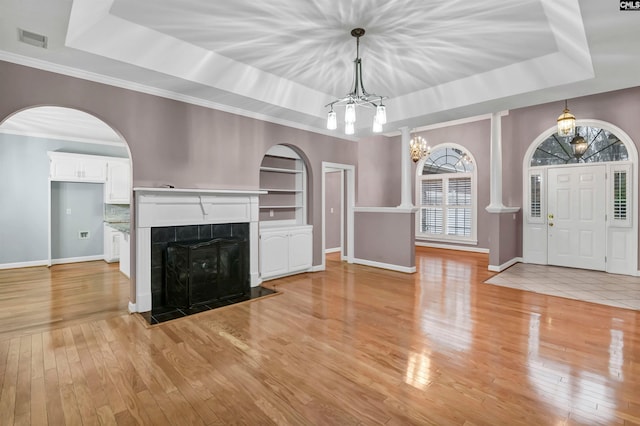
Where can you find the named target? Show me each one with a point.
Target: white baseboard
(77, 259)
(405, 269)
(317, 268)
(53, 262)
(24, 264)
(132, 308)
(505, 265)
(452, 247)
(332, 250)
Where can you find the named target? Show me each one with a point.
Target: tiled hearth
(161, 238)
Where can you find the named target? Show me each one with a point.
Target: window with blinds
(620, 195)
(446, 206)
(535, 197)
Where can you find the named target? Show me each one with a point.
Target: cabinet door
(274, 254)
(93, 169)
(115, 244)
(118, 187)
(300, 250)
(65, 168)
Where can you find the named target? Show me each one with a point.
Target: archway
(31, 138)
(579, 209)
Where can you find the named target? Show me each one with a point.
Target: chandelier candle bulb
(377, 126)
(350, 113)
(332, 121)
(381, 115)
(349, 128)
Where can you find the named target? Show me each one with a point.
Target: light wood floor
(352, 345)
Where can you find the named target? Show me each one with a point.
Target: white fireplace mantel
(156, 207)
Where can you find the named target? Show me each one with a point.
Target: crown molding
(149, 90)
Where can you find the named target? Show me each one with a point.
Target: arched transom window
(445, 189)
(602, 146)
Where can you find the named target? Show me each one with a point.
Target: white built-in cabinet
(285, 251)
(125, 254)
(117, 189)
(112, 238)
(286, 241)
(77, 167)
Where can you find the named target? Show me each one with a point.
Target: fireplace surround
(190, 211)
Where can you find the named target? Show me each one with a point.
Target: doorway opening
(69, 173)
(338, 192)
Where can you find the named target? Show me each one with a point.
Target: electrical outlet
(83, 235)
(331, 209)
(271, 213)
(68, 211)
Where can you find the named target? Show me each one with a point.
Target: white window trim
(473, 238)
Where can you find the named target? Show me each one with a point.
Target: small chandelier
(418, 148)
(566, 122)
(357, 97)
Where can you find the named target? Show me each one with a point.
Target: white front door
(576, 230)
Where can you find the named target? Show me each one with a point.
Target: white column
(405, 161)
(495, 188)
(495, 194)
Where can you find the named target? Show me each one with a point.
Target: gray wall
(332, 201)
(24, 172)
(76, 207)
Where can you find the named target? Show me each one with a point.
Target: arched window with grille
(446, 195)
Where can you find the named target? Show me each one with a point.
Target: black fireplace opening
(198, 272)
(195, 268)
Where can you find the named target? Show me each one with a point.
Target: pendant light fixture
(579, 146)
(357, 97)
(566, 122)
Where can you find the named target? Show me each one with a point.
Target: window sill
(466, 241)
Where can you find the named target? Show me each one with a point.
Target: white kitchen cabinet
(77, 167)
(125, 254)
(112, 239)
(285, 250)
(117, 188)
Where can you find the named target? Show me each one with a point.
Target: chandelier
(357, 97)
(418, 148)
(566, 122)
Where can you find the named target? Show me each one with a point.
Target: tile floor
(622, 291)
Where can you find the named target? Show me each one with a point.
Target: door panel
(576, 217)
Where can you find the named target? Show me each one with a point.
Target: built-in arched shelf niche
(283, 176)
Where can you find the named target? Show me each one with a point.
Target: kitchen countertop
(119, 226)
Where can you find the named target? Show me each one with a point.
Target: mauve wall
(476, 138)
(379, 172)
(522, 126)
(176, 143)
(382, 237)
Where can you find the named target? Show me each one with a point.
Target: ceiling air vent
(33, 39)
